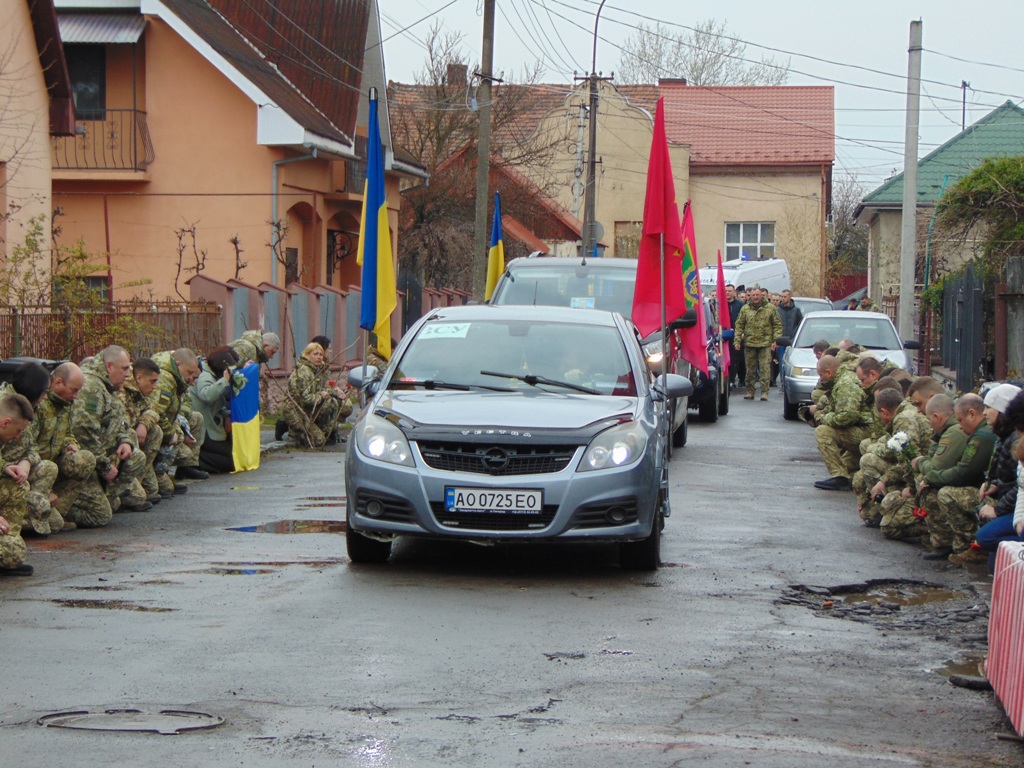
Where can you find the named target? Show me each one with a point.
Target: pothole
(295, 526)
(899, 604)
(165, 721)
(111, 605)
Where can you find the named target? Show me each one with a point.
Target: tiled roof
(1000, 133)
(306, 56)
(751, 125)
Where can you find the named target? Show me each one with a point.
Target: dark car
(604, 283)
(711, 390)
(513, 424)
(11, 364)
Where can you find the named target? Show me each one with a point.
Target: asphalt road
(458, 655)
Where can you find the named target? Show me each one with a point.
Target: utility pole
(908, 234)
(964, 85)
(483, 155)
(590, 194)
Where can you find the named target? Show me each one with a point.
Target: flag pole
(664, 344)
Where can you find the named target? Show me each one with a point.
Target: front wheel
(789, 410)
(723, 401)
(362, 550)
(644, 555)
(708, 410)
(679, 435)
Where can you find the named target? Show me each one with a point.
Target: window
(749, 240)
(87, 66)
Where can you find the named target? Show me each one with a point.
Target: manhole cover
(166, 721)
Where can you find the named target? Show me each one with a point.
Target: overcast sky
(826, 43)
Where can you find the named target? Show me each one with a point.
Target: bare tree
(847, 240)
(706, 55)
(436, 119)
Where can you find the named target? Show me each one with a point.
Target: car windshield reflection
(868, 332)
(572, 358)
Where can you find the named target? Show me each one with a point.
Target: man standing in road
(737, 368)
(757, 328)
(791, 317)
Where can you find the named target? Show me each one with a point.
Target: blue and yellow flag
(379, 290)
(496, 255)
(245, 421)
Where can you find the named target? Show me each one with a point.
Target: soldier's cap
(999, 396)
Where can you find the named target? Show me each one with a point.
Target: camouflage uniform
(13, 506)
(904, 518)
(879, 462)
(250, 347)
(954, 520)
(311, 416)
(843, 426)
(756, 328)
(140, 411)
(57, 446)
(374, 358)
(100, 425)
(37, 500)
(170, 400)
(870, 307)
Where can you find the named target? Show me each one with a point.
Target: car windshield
(806, 306)
(516, 354)
(868, 332)
(571, 285)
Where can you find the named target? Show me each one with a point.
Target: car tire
(708, 410)
(723, 402)
(362, 550)
(789, 410)
(644, 555)
(679, 435)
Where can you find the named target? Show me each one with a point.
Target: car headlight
(379, 439)
(652, 353)
(615, 447)
(804, 371)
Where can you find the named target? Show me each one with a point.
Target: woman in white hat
(999, 491)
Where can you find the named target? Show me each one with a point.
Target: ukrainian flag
(496, 255)
(245, 421)
(379, 290)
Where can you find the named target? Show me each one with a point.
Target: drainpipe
(273, 201)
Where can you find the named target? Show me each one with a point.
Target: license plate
(501, 501)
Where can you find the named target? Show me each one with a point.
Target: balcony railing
(116, 140)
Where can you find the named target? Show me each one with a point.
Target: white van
(768, 274)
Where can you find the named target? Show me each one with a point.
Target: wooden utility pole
(483, 155)
(908, 234)
(590, 192)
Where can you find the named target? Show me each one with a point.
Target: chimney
(672, 81)
(458, 74)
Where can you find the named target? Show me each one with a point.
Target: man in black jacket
(738, 366)
(791, 317)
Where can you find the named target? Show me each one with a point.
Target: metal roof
(104, 28)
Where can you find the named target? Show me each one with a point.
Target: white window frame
(756, 240)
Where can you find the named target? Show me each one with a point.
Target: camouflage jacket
(374, 358)
(970, 469)
(758, 326)
(847, 402)
(16, 451)
(871, 307)
(250, 347)
(306, 384)
(98, 420)
(138, 406)
(946, 448)
(916, 427)
(168, 399)
(848, 360)
(51, 429)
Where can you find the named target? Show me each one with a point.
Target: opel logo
(494, 460)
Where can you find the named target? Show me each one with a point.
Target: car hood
(803, 357)
(532, 410)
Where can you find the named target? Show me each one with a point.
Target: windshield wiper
(429, 384)
(533, 381)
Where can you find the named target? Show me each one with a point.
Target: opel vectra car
(871, 330)
(512, 424)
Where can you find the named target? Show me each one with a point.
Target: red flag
(724, 318)
(661, 217)
(694, 346)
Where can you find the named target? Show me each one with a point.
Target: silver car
(512, 424)
(871, 330)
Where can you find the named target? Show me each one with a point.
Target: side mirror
(672, 385)
(911, 344)
(688, 320)
(356, 379)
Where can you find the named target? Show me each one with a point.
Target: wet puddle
(111, 605)
(295, 526)
(235, 571)
(903, 595)
(972, 666)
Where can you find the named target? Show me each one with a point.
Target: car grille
(396, 509)
(484, 459)
(489, 521)
(593, 515)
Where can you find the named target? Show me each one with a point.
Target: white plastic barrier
(1005, 664)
